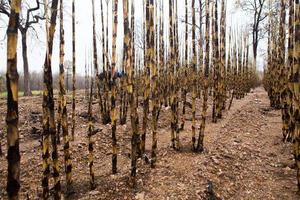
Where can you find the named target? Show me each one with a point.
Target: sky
(36, 44)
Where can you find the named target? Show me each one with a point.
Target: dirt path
(244, 158)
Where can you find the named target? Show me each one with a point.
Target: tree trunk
(200, 147)
(171, 66)
(27, 90)
(194, 72)
(184, 89)
(291, 120)
(105, 100)
(150, 53)
(1, 153)
(12, 117)
(49, 128)
(296, 88)
(146, 94)
(216, 64)
(283, 76)
(91, 132)
(113, 88)
(63, 105)
(73, 72)
(222, 97)
(255, 44)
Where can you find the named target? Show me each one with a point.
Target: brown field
(244, 156)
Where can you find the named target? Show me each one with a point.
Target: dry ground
(244, 157)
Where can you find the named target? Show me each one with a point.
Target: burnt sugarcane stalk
(12, 115)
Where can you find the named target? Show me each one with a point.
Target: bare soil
(244, 156)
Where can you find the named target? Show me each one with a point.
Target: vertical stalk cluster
(281, 78)
(200, 67)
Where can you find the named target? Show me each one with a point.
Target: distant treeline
(36, 81)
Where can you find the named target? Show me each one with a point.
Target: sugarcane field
(150, 99)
